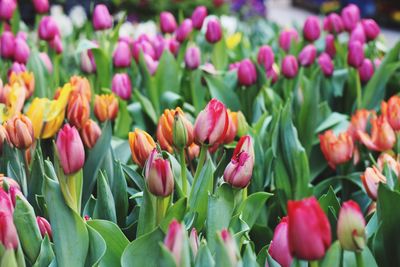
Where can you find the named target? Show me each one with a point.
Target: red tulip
(90, 133)
(279, 247)
(44, 227)
(167, 22)
(159, 177)
(78, 110)
(371, 179)
(311, 29)
(198, 16)
(239, 171)
(309, 230)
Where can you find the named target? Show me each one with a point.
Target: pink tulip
(122, 57)
(214, 31)
(184, 30)
(88, 63)
(145, 47)
(151, 64)
(355, 55)
(330, 47)
(167, 22)
(22, 35)
(366, 70)
(46, 61)
(41, 6)
(307, 55)
(198, 16)
(311, 29)
(273, 74)
(326, 64)
(174, 240)
(7, 45)
(290, 67)
(357, 34)
(56, 44)
(44, 227)
(333, 23)
(70, 149)
(102, 20)
(245, 144)
(350, 17)
(192, 57)
(7, 8)
(265, 57)
(279, 247)
(239, 170)
(48, 28)
(8, 232)
(22, 51)
(211, 124)
(173, 46)
(230, 246)
(287, 38)
(121, 85)
(247, 73)
(371, 28)
(16, 68)
(159, 177)
(194, 241)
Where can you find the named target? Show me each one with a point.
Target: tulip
(151, 64)
(265, 57)
(290, 66)
(7, 45)
(174, 240)
(167, 22)
(70, 149)
(211, 123)
(311, 29)
(44, 57)
(371, 29)
(287, 38)
(234, 66)
(56, 44)
(230, 246)
(240, 122)
(239, 170)
(20, 131)
(245, 144)
(351, 227)
(357, 34)
(122, 57)
(121, 85)
(7, 8)
(158, 44)
(90, 133)
(159, 178)
(182, 131)
(388, 160)
(88, 63)
(336, 150)
(105, 107)
(145, 47)
(102, 20)
(22, 51)
(355, 55)
(350, 16)
(3, 138)
(382, 135)
(192, 57)
(44, 227)
(247, 73)
(333, 23)
(41, 6)
(184, 30)
(232, 127)
(173, 46)
(377, 62)
(193, 151)
(307, 55)
(17, 68)
(48, 28)
(359, 122)
(273, 73)
(82, 86)
(78, 111)
(330, 47)
(326, 64)
(25, 79)
(393, 112)
(194, 241)
(198, 16)
(279, 247)
(8, 232)
(309, 231)
(214, 31)
(141, 144)
(366, 70)
(371, 179)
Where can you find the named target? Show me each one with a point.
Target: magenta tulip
(16, 68)
(44, 57)
(265, 57)
(333, 23)
(290, 66)
(287, 38)
(56, 44)
(230, 247)
(7, 8)
(151, 64)
(41, 6)
(122, 57)
(145, 47)
(273, 74)
(371, 28)
(357, 34)
(167, 22)
(366, 70)
(350, 17)
(7, 45)
(330, 47)
(121, 85)
(279, 247)
(174, 240)
(102, 20)
(48, 28)
(326, 64)
(198, 16)
(307, 55)
(173, 46)
(355, 55)
(311, 29)
(22, 51)
(214, 31)
(8, 232)
(247, 73)
(70, 149)
(44, 227)
(184, 30)
(158, 173)
(192, 57)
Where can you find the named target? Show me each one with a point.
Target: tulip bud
(167, 22)
(173, 46)
(366, 70)
(234, 66)
(90, 133)
(193, 151)
(159, 178)
(351, 227)
(232, 127)
(287, 38)
(337, 150)
(184, 30)
(182, 131)
(3, 137)
(333, 23)
(88, 63)
(7, 8)
(48, 28)
(198, 16)
(141, 144)
(7, 45)
(355, 55)
(309, 231)
(273, 73)
(382, 135)
(311, 29)
(265, 57)
(211, 123)
(78, 111)
(41, 6)
(371, 179)
(371, 29)
(388, 160)
(174, 240)
(307, 55)
(290, 66)
(105, 107)
(214, 31)
(8, 232)
(20, 131)
(247, 74)
(192, 57)
(102, 19)
(22, 51)
(230, 246)
(44, 227)
(393, 112)
(239, 171)
(357, 34)
(70, 149)
(350, 16)
(81, 85)
(279, 247)
(121, 85)
(122, 57)
(16, 68)
(194, 242)
(359, 122)
(151, 64)
(330, 47)
(145, 47)
(56, 44)
(326, 64)
(44, 57)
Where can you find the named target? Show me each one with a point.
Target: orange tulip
(391, 110)
(337, 150)
(371, 179)
(390, 161)
(232, 127)
(20, 131)
(3, 137)
(78, 110)
(193, 151)
(90, 133)
(81, 85)
(105, 107)
(382, 135)
(359, 121)
(141, 144)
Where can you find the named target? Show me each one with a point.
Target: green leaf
(145, 245)
(250, 208)
(103, 67)
(15, 20)
(46, 254)
(97, 248)
(134, 176)
(36, 178)
(115, 240)
(333, 119)
(119, 189)
(221, 92)
(105, 206)
(36, 65)
(167, 74)
(8, 259)
(219, 55)
(332, 256)
(84, 45)
(123, 122)
(197, 90)
(349, 259)
(249, 258)
(176, 211)
(147, 106)
(204, 257)
(338, 81)
(147, 214)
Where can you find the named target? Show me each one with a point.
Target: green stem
(359, 259)
(358, 88)
(314, 264)
(202, 159)
(183, 172)
(160, 209)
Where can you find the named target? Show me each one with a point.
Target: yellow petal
(233, 40)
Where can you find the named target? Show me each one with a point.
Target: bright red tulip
(279, 247)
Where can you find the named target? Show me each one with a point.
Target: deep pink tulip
(350, 17)
(366, 70)
(122, 57)
(22, 35)
(234, 66)
(174, 240)
(121, 85)
(44, 227)
(371, 28)
(333, 23)
(355, 54)
(287, 38)
(159, 177)
(173, 46)
(145, 47)
(192, 57)
(326, 64)
(48, 28)
(22, 51)
(17, 68)
(46, 61)
(307, 55)
(198, 16)
(311, 29)
(214, 31)
(167, 22)
(265, 57)
(273, 74)
(7, 8)
(247, 73)
(330, 47)
(8, 232)
(357, 34)
(7, 45)
(184, 30)
(41, 6)
(309, 230)
(211, 124)
(56, 44)
(279, 247)
(102, 20)
(290, 67)
(70, 149)
(151, 64)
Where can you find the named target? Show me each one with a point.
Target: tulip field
(197, 138)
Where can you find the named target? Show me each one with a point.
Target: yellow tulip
(233, 40)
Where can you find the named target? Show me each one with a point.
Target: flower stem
(314, 264)
(160, 209)
(183, 172)
(358, 88)
(359, 259)
(202, 159)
